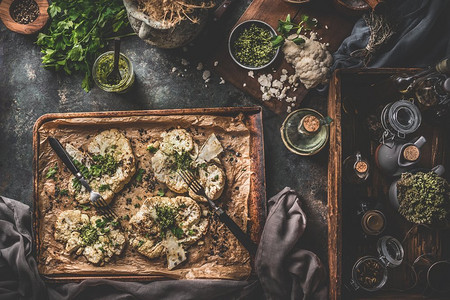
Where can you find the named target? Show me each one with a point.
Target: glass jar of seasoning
(399, 119)
(370, 217)
(103, 65)
(305, 131)
(370, 273)
(355, 168)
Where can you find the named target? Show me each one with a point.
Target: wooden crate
(354, 95)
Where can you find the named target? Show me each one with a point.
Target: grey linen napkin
(422, 37)
(284, 270)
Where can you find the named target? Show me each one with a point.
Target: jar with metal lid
(370, 273)
(399, 119)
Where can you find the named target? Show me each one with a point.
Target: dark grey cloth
(285, 271)
(422, 37)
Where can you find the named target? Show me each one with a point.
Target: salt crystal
(206, 74)
(251, 74)
(199, 66)
(216, 63)
(184, 62)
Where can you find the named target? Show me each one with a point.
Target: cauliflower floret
(311, 61)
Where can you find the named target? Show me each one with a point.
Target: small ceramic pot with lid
(370, 273)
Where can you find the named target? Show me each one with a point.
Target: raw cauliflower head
(311, 60)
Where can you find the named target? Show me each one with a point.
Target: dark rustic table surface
(28, 91)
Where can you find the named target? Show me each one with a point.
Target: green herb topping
(161, 192)
(166, 219)
(152, 149)
(101, 165)
(253, 46)
(51, 173)
(104, 187)
(88, 235)
(139, 175)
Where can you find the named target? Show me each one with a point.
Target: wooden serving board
(252, 117)
(354, 95)
(270, 11)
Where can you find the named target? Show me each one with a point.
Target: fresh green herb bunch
(78, 31)
(287, 26)
(424, 198)
(253, 47)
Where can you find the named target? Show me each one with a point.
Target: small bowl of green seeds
(250, 45)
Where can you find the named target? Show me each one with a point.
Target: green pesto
(253, 47)
(106, 65)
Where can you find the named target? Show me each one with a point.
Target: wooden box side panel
(334, 189)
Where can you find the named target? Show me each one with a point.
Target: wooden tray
(355, 94)
(257, 197)
(270, 11)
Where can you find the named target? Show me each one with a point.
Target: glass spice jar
(399, 119)
(355, 168)
(104, 64)
(370, 273)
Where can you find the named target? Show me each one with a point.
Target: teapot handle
(439, 170)
(420, 142)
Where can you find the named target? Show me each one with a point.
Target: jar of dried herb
(370, 273)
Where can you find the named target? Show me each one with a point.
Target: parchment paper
(217, 255)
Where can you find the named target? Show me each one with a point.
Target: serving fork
(198, 189)
(96, 199)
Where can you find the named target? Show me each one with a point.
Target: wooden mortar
(29, 28)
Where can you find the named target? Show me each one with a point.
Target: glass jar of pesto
(103, 65)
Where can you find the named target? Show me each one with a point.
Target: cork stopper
(310, 123)
(361, 167)
(411, 153)
(373, 222)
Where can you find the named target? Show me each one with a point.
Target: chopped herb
(166, 219)
(140, 243)
(104, 187)
(83, 169)
(128, 200)
(161, 192)
(244, 169)
(191, 232)
(152, 149)
(85, 207)
(52, 172)
(88, 235)
(115, 223)
(182, 161)
(203, 166)
(100, 223)
(137, 205)
(126, 217)
(139, 175)
(101, 249)
(139, 198)
(216, 178)
(64, 192)
(103, 165)
(177, 232)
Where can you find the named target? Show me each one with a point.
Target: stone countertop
(28, 91)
